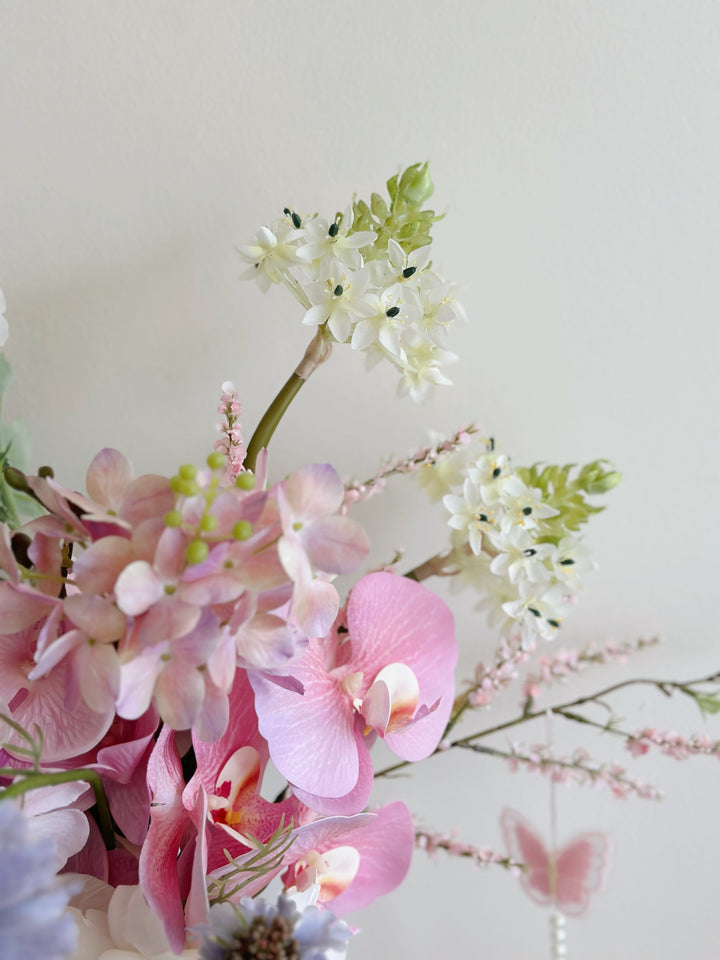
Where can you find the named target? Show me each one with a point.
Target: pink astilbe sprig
(568, 663)
(490, 681)
(430, 841)
(230, 442)
(357, 491)
(672, 744)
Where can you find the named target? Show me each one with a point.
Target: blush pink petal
(395, 620)
(213, 715)
(266, 642)
(179, 694)
(97, 670)
(68, 829)
(311, 737)
(356, 800)
(335, 544)
(197, 905)
(55, 499)
(386, 848)
(137, 681)
(20, 607)
(242, 732)
(96, 569)
(97, 617)
(43, 701)
(168, 619)
(222, 662)
(170, 553)
(54, 652)
(313, 491)
(147, 497)
(215, 588)
(315, 607)
(146, 537)
(321, 834)
(108, 477)
(138, 588)
(46, 555)
(158, 860)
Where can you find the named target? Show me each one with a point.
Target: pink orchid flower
(391, 673)
(219, 809)
(353, 869)
(352, 860)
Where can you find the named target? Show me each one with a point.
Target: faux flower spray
(164, 640)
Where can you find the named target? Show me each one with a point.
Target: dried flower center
(265, 941)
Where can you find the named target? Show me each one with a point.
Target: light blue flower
(33, 921)
(276, 932)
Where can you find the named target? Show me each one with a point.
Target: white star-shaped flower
(338, 301)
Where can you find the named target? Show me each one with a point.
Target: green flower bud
(186, 488)
(173, 518)
(216, 460)
(594, 479)
(196, 551)
(245, 480)
(16, 479)
(415, 186)
(379, 207)
(208, 523)
(242, 530)
(187, 471)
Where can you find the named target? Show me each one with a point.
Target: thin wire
(558, 943)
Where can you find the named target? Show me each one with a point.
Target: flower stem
(664, 686)
(317, 352)
(436, 566)
(33, 780)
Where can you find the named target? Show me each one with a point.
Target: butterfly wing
(582, 867)
(525, 845)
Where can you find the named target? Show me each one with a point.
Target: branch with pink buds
(431, 842)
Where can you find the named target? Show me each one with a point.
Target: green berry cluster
(185, 484)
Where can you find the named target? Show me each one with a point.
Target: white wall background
(575, 147)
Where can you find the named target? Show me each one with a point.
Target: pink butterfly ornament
(566, 879)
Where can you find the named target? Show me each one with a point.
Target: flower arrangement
(165, 640)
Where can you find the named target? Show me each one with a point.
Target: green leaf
(566, 490)
(379, 207)
(707, 702)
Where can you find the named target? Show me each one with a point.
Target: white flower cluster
(502, 546)
(393, 306)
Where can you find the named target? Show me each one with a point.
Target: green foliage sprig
(403, 220)
(566, 490)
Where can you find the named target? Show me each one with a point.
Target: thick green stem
(273, 416)
(34, 780)
(316, 353)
